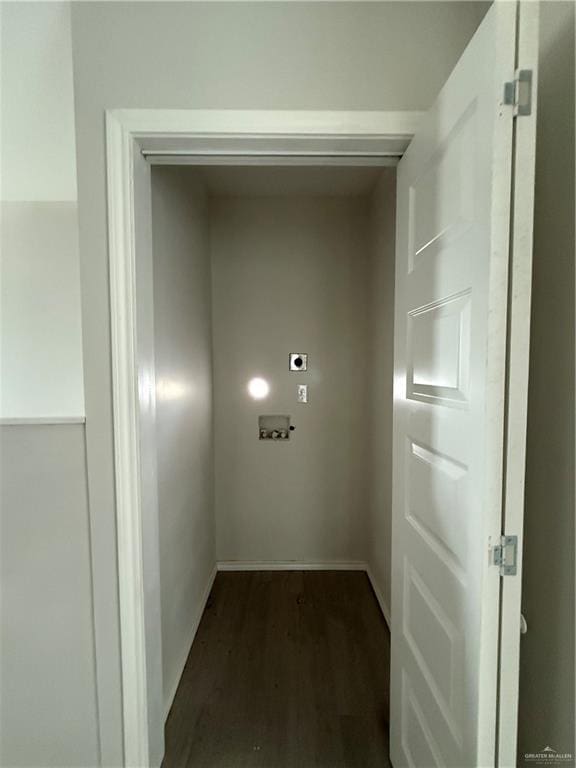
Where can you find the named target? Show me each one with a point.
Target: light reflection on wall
(171, 389)
(258, 388)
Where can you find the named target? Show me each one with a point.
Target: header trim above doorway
(239, 137)
(148, 124)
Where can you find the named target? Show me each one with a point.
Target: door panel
(453, 231)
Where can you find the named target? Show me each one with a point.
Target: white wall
(40, 345)
(183, 355)
(48, 710)
(547, 650)
(37, 116)
(290, 275)
(382, 276)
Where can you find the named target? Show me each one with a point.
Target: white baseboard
(290, 565)
(188, 646)
(379, 596)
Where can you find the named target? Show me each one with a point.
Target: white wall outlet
(302, 393)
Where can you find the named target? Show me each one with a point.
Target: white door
(454, 247)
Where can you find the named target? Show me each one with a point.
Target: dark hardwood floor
(289, 669)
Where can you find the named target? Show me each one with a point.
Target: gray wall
(219, 55)
(382, 276)
(547, 650)
(290, 275)
(183, 357)
(48, 711)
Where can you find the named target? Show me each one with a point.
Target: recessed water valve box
(274, 427)
(298, 361)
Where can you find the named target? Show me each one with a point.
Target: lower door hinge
(505, 555)
(518, 92)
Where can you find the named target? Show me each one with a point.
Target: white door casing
(225, 137)
(453, 250)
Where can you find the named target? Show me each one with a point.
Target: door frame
(184, 137)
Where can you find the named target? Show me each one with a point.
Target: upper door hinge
(505, 555)
(518, 92)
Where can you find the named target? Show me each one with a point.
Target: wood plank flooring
(289, 669)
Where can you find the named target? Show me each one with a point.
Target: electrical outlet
(302, 393)
(298, 361)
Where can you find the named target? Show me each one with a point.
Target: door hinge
(518, 92)
(505, 555)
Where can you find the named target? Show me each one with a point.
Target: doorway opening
(267, 280)
(326, 144)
